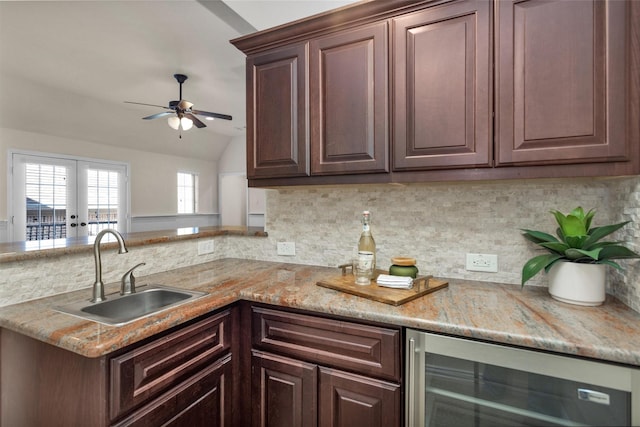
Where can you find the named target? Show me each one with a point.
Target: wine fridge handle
(411, 409)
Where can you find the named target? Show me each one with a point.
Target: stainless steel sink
(118, 310)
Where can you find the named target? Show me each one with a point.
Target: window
(46, 196)
(103, 194)
(62, 197)
(187, 191)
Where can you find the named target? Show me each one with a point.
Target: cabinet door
(443, 90)
(283, 391)
(560, 81)
(348, 89)
(277, 135)
(348, 400)
(204, 400)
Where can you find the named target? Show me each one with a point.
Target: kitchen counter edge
(503, 314)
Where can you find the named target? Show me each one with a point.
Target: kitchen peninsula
(504, 314)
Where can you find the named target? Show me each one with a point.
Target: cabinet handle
(411, 409)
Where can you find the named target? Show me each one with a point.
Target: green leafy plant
(577, 242)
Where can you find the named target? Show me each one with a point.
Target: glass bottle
(366, 252)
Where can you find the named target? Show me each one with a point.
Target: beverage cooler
(452, 382)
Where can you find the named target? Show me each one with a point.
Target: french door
(54, 198)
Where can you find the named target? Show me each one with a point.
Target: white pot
(574, 283)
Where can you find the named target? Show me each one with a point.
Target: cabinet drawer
(147, 371)
(198, 401)
(364, 349)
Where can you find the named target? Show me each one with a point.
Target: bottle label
(365, 260)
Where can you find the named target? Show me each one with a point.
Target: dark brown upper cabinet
(442, 85)
(348, 82)
(561, 76)
(413, 91)
(277, 111)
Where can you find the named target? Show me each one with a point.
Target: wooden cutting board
(422, 285)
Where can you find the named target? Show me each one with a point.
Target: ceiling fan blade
(196, 121)
(214, 115)
(158, 115)
(148, 105)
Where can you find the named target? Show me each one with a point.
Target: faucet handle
(128, 282)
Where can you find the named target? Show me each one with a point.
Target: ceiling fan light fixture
(186, 123)
(174, 122)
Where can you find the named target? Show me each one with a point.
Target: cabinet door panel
(348, 400)
(443, 87)
(560, 81)
(277, 136)
(366, 349)
(349, 114)
(202, 401)
(145, 372)
(283, 391)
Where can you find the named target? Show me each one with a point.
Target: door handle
(411, 416)
(83, 224)
(73, 224)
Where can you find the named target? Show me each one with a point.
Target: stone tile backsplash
(439, 223)
(27, 280)
(436, 223)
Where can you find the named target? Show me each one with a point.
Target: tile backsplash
(436, 223)
(439, 223)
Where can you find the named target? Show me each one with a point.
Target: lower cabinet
(323, 372)
(246, 365)
(180, 378)
(199, 401)
(283, 391)
(349, 400)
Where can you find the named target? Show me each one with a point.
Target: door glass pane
(467, 393)
(46, 201)
(103, 196)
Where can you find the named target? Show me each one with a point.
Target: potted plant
(577, 258)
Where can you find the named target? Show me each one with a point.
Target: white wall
(153, 176)
(234, 158)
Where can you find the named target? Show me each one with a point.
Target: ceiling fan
(181, 114)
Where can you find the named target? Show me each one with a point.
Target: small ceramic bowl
(403, 266)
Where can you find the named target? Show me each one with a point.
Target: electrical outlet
(482, 262)
(205, 247)
(287, 248)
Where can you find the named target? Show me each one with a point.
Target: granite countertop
(480, 310)
(37, 249)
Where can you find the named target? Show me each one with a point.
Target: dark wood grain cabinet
(277, 113)
(561, 92)
(442, 87)
(349, 101)
(410, 91)
(183, 377)
(320, 107)
(315, 371)
(283, 391)
(178, 376)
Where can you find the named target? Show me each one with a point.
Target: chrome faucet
(98, 286)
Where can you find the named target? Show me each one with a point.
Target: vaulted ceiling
(66, 67)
